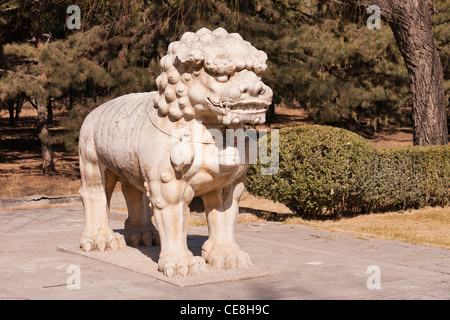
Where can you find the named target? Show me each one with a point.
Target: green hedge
(327, 170)
(411, 177)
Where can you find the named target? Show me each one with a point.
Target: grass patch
(426, 226)
(16, 186)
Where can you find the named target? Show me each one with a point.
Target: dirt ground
(20, 157)
(20, 160)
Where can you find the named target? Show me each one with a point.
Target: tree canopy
(322, 56)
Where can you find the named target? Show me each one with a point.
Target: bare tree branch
(30, 101)
(9, 9)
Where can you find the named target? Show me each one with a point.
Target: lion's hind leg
(138, 226)
(97, 185)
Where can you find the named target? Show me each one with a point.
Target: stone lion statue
(162, 147)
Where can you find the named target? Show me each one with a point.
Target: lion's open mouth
(248, 111)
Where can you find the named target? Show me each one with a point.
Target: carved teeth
(251, 112)
(253, 116)
(245, 106)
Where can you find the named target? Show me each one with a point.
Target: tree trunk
(19, 105)
(50, 110)
(410, 21)
(14, 108)
(36, 11)
(11, 108)
(42, 108)
(44, 136)
(412, 30)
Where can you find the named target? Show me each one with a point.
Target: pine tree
(410, 21)
(441, 35)
(322, 57)
(44, 72)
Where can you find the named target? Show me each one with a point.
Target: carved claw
(197, 266)
(230, 263)
(116, 241)
(184, 267)
(218, 263)
(147, 239)
(100, 242)
(87, 245)
(244, 260)
(170, 269)
(113, 243)
(136, 238)
(226, 259)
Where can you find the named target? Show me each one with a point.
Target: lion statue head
(213, 75)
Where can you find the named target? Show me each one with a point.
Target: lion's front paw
(189, 265)
(102, 242)
(223, 257)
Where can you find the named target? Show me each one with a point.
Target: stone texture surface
(161, 147)
(306, 263)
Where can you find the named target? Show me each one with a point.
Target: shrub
(411, 177)
(321, 170)
(327, 170)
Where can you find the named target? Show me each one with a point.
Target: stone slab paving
(290, 262)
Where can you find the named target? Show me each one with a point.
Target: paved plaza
(40, 259)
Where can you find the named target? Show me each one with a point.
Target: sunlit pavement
(300, 262)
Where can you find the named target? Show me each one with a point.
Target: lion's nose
(252, 89)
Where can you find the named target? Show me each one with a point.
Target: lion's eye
(221, 77)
